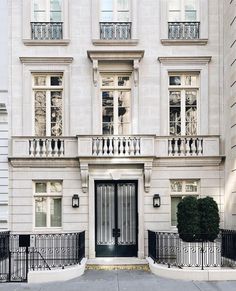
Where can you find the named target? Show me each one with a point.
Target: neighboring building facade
(114, 101)
(4, 111)
(230, 111)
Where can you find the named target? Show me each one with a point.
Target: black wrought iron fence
(183, 30)
(115, 30)
(167, 248)
(228, 249)
(46, 30)
(21, 253)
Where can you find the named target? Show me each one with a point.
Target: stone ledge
(180, 42)
(192, 274)
(101, 42)
(35, 42)
(57, 275)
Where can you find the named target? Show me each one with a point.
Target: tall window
(115, 91)
(47, 10)
(47, 198)
(47, 92)
(183, 103)
(180, 189)
(115, 11)
(183, 10)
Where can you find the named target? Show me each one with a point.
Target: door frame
(116, 182)
(105, 172)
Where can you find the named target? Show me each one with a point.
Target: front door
(116, 219)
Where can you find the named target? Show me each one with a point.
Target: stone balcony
(100, 146)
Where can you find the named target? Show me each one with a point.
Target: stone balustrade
(92, 146)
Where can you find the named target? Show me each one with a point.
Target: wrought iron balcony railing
(46, 30)
(115, 30)
(183, 30)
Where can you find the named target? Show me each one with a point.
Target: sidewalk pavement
(121, 280)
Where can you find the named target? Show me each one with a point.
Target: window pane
(191, 186)
(175, 80)
(123, 4)
(190, 5)
(107, 112)
(124, 112)
(124, 81)
(106, 5)
(190, 80)
(175, 112)
(106, 17)
(55, 10)
(40, 113)
(174, 4)
(176, 186)
(56, 113)
(108, 81)
(55, 16)
(190, 15)
(55, 5)
(39, 11)
(40, 80)
(191, 112)
(56, 81)
(174, 203)
(55, 187)
(40, 187)
(174, 16)
(40, 212)
(123, 16)
(55, 212)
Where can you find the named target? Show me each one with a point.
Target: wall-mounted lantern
(75, 201)
(156, 200)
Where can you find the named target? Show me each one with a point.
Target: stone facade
(148, 57)
(4, 114)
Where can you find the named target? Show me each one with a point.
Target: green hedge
(198, 219)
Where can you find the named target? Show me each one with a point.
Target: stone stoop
(117, 264)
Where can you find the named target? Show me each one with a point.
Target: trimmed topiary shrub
(188, 219)
(198, 219)
(209, 218)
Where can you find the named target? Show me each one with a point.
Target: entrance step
(117, 264)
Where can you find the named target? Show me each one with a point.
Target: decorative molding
(46, 60)
(95, 72)
(147, 176)
(102, 55)
(84, 171)
(118, 55)
(185, 60)
(179, 42)
(33, 42)
(102, 42)
(136, 72)
(188, 161)
(43, 162)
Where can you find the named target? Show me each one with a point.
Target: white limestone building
(116, 101)
(4, 112)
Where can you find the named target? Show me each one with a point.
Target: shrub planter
(190, 254)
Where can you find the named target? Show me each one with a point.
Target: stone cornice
(34, 42)
(101, 42)
(188, 161)
(46, 60)
(179, 42)
(107, 55)
(185, 60)
(44, 162)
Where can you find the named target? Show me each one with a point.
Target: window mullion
(48, 8)
(115, 16)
